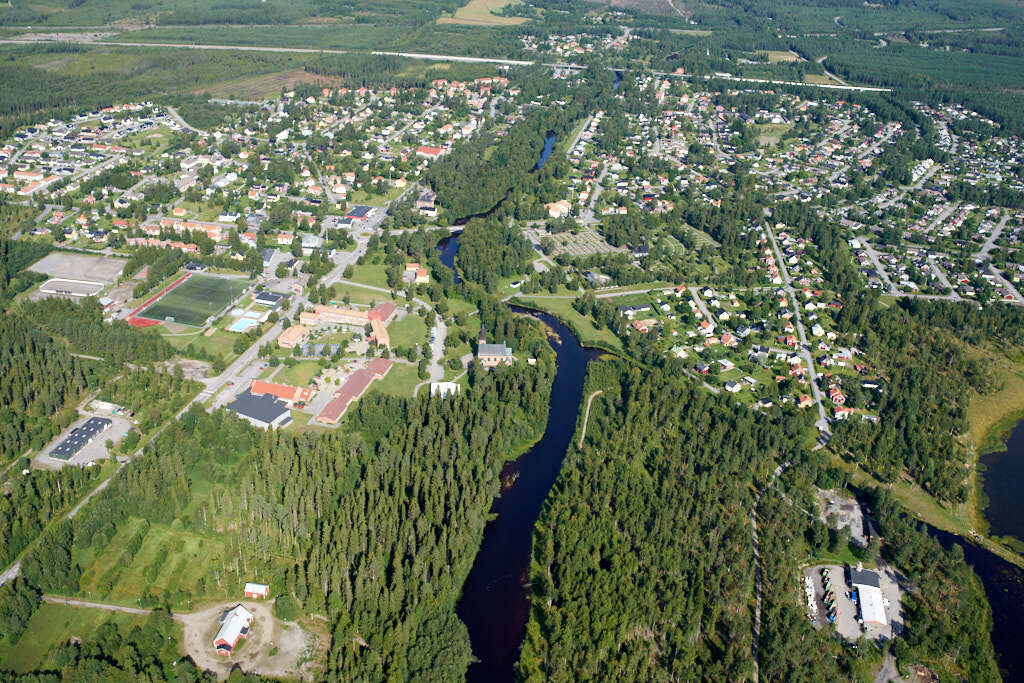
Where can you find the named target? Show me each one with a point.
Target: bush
(287, 608)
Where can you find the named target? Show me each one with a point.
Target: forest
(374, 526)
(624, 590)
(40, 384)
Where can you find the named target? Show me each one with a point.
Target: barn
(234, 627)
(257, 590)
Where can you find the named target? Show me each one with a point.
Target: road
(996, 232)
(882, 272)
(812, 375)
(888, 672)
(173, 113)
(588, 215)
(575, 140)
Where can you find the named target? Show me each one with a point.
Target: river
(495, 602)
(549, 145)
(1002, 477)
(1004, 587)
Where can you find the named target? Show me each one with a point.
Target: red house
(257, 590)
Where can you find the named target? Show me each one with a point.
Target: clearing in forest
(483, 13)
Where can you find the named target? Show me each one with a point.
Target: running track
(146, 322)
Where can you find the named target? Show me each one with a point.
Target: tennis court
(194, 300)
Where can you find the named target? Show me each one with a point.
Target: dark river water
(549, 145)
(495, 600)
(1004, 586)
(1002, 480)
(448, 247)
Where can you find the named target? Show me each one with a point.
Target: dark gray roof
(494, 350)
(359, 211)
(863, 578)
(78, 437)
(267, 298)
(265, 408)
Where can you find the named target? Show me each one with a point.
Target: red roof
(281, 391)
(382, 311)
(353, 388)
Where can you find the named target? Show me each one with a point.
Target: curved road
(586, 415)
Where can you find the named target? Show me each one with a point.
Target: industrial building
(264, 411)
(869, 596)
(79, 437)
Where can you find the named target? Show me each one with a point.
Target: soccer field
(194, 300)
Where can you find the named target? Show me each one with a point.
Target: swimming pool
(243, 324)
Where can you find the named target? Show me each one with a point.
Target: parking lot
(94, 450)
(846, 623)
(82, 267)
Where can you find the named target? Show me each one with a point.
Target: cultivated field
(482, 13)
(194, 300)
(777, 56)
(265, 86)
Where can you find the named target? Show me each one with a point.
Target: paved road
(996, 232)
(173, 113)
(812, 375)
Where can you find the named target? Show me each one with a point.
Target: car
(230, 383)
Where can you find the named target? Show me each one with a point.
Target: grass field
(399, 381)
(53, 625)
(266, 86)
(300, 374)
(777, 56)
(482, 13)
(195, 299)
(408, 331)
(183, 558)
(372, 274)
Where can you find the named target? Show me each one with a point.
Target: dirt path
(54, 600)
(586, 415)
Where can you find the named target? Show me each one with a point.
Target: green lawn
(586, 331)
(358, 295)
(53, 625)
(220, 343)
(371, 274)
(398, 382)
(299, 374)
(408, 331)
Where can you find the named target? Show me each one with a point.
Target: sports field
(194, 300)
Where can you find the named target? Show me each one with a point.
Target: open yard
(399, 381)
(408, 331)
(298, 375)
(53, 625)
(482, 13)
(194, 300)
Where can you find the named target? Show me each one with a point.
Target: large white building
(869, 596)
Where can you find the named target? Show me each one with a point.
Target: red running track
(146, 322)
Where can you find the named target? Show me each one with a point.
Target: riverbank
(992, 418)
